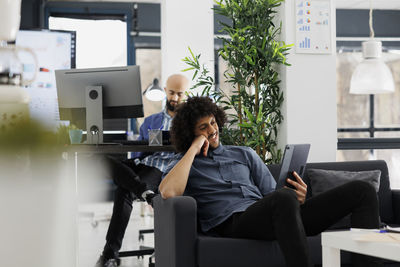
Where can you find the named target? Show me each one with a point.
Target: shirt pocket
(250, 192)
(235, 172)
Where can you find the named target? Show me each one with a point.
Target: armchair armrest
(396, 205)
(175, 231)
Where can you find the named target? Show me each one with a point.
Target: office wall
(309, 87)
(183, 24)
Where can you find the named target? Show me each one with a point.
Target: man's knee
(363, 187)
(124, 195)
(367, 190)
(363, 193)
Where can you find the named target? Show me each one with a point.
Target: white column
(309, 87)
(184, 24)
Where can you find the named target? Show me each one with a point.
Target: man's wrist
(193, 150)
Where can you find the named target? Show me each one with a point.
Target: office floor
(92, 238)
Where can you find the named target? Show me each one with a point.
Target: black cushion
(384, 194)
(324, 180)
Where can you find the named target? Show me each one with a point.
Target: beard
(170, 107)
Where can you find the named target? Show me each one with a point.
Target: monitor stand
(94, 114)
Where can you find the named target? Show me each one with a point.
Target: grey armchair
(178, 243)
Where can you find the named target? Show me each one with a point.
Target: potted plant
(253, 53)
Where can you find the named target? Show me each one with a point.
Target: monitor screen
(121, 93)
(54, 50)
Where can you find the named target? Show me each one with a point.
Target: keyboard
(133, 142)
(139, 142)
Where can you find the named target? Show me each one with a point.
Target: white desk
(117, 148)
(74, 150)
(333, 242)
(72, 157)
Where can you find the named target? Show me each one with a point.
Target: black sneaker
(149, 198)
(103, 262)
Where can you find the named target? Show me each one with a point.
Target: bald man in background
(140, 176)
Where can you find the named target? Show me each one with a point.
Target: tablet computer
(294, 160)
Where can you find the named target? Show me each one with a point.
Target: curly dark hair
(186, 117)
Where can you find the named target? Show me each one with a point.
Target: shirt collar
(165, 112)
(218, 151)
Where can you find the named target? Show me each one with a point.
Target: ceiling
(364, 4)
(346, 4)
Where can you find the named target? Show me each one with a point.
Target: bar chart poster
(313, 26)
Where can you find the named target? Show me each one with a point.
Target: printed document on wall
(313, 26)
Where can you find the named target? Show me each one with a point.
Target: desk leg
(76, 175)
(72, 175)
(330, 257)
(76, 209)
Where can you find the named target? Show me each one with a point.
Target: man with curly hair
(140, 176)
(235, 191)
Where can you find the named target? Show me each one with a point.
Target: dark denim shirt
(228, 180)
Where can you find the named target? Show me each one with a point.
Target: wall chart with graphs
(313, 26)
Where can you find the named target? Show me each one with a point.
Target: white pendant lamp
(372, 75)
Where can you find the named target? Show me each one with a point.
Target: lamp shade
(154, 92)
(372, 75)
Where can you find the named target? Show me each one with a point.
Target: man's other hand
(299, 187)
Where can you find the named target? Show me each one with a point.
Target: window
(102, 40)
(149, 61)
(100, 43)
(364, 116)
(356, 107)
(368, 125)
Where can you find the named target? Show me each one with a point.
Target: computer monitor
(86, 96)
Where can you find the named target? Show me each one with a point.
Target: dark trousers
(279, 216)
(131, 180)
